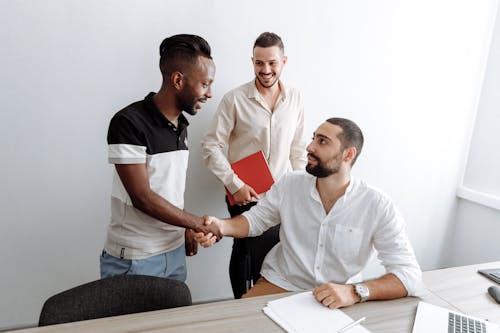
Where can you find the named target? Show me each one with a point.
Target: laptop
(435, 319)
(493, 274)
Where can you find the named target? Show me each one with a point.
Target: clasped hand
(208, 239)
(209, 229)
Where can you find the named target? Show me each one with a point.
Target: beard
(320, 170)
(190, 107)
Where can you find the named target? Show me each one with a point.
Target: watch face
(362, 291)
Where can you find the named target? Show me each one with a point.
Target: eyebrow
(262, 60)
(321, 136)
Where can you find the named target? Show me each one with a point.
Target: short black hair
(269, 39)
(351, 135)
(182, 50)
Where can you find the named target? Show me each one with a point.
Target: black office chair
(117, 295)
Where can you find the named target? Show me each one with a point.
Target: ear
(349, 154)
(177, 79)
(284, 59)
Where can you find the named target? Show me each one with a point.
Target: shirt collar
(183, 122)
(348, 191)
(159, 118)
(253, 92)
(346, 196)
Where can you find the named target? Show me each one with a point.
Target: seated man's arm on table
(395, 251)
(403, 278)
(336, 296)
(135, 179)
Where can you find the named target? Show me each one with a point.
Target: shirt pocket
(347, 242)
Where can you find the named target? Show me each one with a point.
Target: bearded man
(331, 223)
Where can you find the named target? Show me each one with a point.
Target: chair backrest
(114, 296)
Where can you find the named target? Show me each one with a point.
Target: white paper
(303, 313)
(281, 322)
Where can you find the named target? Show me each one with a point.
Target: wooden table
(465, 289)
(460, 288)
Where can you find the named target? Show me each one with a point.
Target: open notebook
(302, 313)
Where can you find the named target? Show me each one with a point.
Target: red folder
(254, 171)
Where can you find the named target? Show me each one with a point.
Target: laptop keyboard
(462, 324)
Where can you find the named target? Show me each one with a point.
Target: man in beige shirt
(265, 115)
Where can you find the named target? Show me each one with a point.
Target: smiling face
(268, 62)
(197, 86)
(326, 154)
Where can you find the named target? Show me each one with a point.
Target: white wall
(482, 172)
(475, 238)
(408, 73)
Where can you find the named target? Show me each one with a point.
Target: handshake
(211, 231)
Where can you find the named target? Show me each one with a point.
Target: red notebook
(254, 171)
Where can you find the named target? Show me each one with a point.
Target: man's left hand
(190, 243)
(335, 295)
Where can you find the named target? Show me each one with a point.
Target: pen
(351, 325)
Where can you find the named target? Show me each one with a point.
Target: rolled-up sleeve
(395, 251)
(266, 213)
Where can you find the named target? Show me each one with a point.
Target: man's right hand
(207, 240)
(245, 195)
(209, 229)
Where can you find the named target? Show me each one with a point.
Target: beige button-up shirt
(244, 124)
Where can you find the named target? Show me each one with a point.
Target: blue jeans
(171, 265)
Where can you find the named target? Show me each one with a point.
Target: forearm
(135, 179)
(387, 286)
(341, 295)
(154, 205)
(236, 227)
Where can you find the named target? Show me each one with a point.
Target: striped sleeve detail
(126, 154)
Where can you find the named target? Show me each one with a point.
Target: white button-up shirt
(316, 247)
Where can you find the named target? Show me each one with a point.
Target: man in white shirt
(331, 223)
(265, 115)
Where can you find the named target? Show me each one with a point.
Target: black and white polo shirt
(141, 134)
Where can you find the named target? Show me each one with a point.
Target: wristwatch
(362, 291)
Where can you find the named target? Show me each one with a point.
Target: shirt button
(317, 267)
(320, 245)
